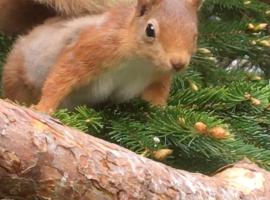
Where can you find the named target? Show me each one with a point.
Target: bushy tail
(78, 7)
(18, 16)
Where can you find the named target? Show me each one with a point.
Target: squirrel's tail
(78, 7)
(18, 16)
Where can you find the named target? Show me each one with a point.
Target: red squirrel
(129, 51)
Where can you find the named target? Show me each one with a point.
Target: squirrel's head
(167, 31)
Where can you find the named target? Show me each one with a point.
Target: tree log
(42, 159)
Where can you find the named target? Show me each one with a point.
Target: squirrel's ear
(196, 3)
(145, 5)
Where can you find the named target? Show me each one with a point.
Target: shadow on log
(42, 159)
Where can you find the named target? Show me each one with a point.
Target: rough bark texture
(42, 159)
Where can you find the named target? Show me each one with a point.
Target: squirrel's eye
(150, 30)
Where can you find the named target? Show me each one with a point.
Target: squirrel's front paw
(42, 109)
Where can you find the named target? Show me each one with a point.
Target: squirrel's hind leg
(14, 82)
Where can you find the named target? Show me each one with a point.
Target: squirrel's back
(42, 46)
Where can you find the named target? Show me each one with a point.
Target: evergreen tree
(219, 109)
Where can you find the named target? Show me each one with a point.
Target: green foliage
(145, 129)
(82, 118)
(226, 87)
(224, 30)
(5, 43)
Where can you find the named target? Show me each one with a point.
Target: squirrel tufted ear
(196, 3)
(145, 5)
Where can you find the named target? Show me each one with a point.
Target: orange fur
(88, 52)
(15, 84)
(158, 92)
(66, 76)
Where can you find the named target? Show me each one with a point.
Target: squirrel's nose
(179, 61)
(178, 65)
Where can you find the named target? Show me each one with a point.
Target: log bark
(42, 159)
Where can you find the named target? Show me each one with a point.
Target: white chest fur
(119, 84)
